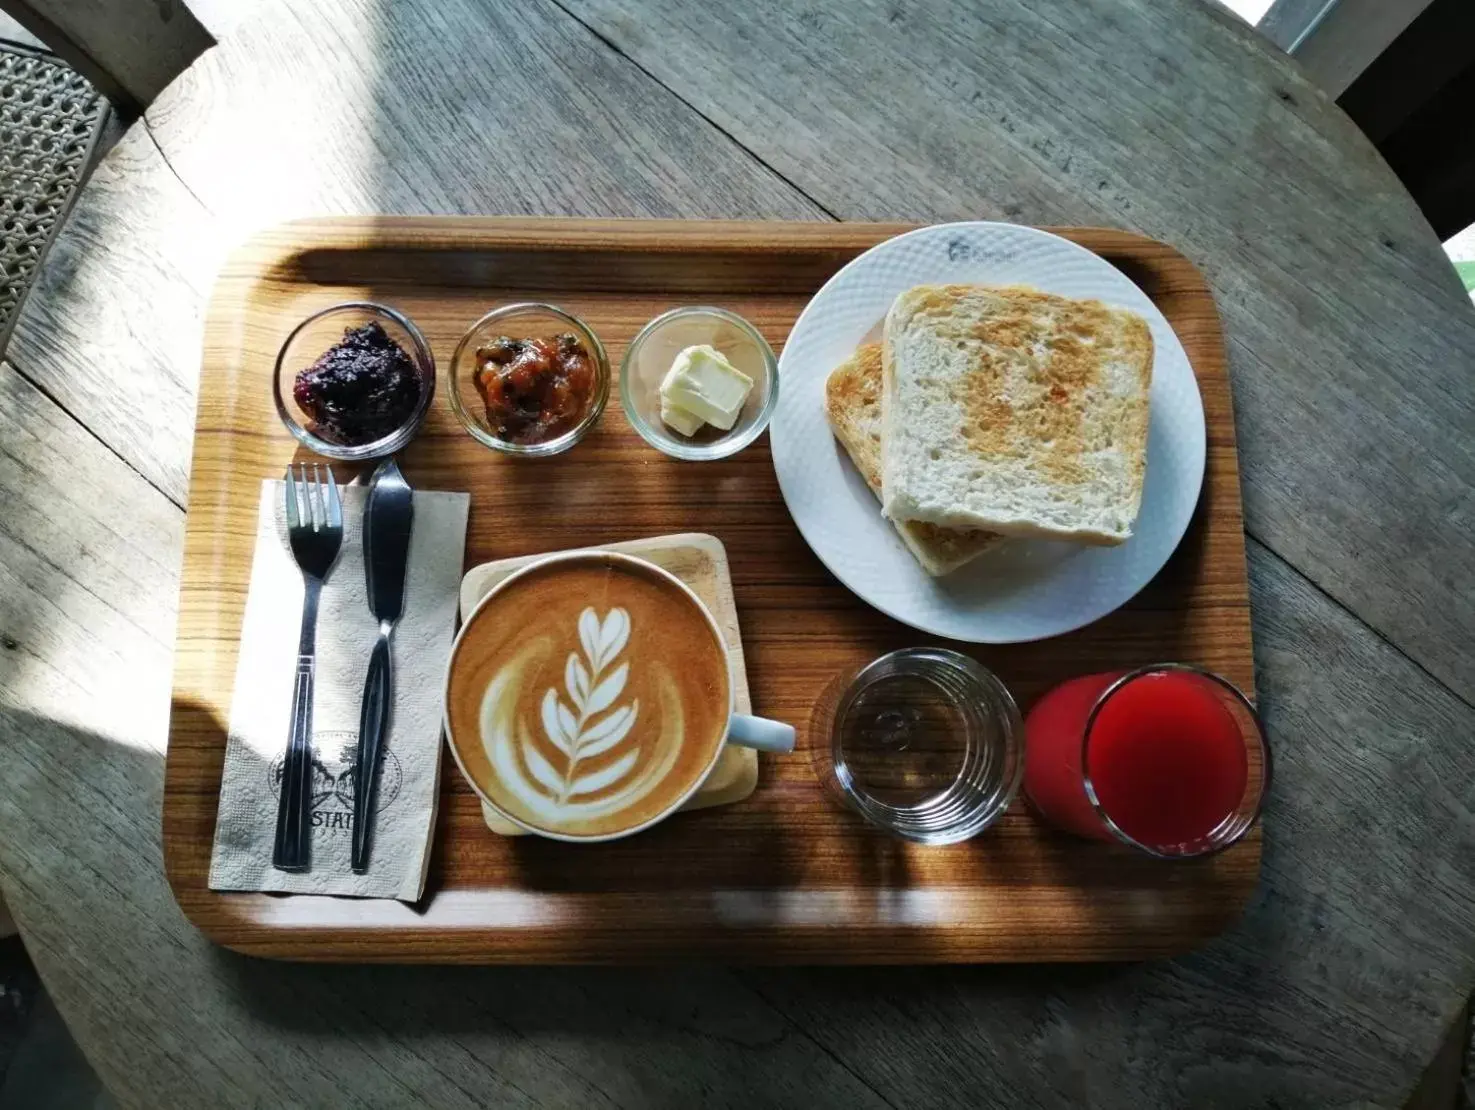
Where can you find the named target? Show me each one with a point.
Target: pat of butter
(705, 384)
(678, 419)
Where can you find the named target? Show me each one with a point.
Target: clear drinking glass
(924, 743)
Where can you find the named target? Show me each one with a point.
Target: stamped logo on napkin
(332, 781)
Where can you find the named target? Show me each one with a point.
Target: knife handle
(373, 727)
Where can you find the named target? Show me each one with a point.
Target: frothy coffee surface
(587, 697)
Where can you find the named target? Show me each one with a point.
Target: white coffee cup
(742, 729)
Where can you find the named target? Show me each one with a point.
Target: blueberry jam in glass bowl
(354, 381)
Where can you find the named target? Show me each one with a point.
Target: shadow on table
(79, 849)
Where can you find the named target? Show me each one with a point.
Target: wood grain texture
(1249, 1019)
(1351, 342)
(1335, 987)
(701, 562)
(786, 876)
(111, 327)
(346, 106)
(69, 502)
(88, 590)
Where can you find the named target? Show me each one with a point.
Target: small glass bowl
(924, 743)
(524, 320)
(650, 355)
(307, 342)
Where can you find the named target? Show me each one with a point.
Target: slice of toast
(853, 404)
(1014, 410)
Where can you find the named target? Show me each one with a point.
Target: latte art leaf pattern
(602, 642)
(582, 722)
(577, 729)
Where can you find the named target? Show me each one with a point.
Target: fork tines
(323, 508)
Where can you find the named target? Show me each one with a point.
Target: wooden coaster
(700, 561)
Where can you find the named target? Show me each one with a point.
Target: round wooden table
(1352, 352)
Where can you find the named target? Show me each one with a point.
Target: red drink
(1168, 757)
(1053, 735)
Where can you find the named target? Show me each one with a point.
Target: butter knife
(389, 514)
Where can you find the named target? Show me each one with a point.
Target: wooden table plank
(1352, 345)
(87, 553)
(348, 107)
(111, 328)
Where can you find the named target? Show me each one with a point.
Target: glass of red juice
(1169, 759)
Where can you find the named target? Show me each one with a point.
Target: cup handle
(760, 733)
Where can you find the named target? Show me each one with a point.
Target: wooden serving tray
(785, 876)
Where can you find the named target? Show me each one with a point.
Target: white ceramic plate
(1027, 589)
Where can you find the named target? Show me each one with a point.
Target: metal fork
(315, 531)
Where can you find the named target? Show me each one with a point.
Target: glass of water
(924, 743)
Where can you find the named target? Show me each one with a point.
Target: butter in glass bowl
(699, 386)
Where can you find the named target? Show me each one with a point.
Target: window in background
(1462, 249)
(1251, 11)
